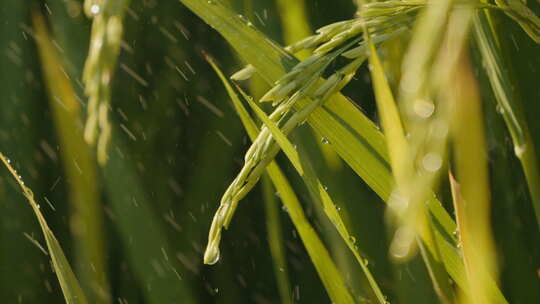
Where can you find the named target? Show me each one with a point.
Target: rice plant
(151, 132)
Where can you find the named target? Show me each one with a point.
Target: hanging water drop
(424, 108)
(432, 162)
(243, 18)
(500, 109)
(211, 256)
(519, 150)
(95, 9)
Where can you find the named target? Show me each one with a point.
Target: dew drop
(500, 109)
(95, 9)
(519, 150)
(325, 141)
(211, 256)
(401, 245)
(424, 108)
(243, 18)
(432, 162)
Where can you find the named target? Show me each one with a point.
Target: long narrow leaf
(71, 288)
(275, 240)
(80, 169)
(472, 203)
(503, 86)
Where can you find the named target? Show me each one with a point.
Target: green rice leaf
(83, 190)
(508, 101)
(474, 219)
(389, 114)
(275, 240)
(523, 15)
(71, 289)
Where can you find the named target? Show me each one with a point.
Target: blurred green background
(177, 144)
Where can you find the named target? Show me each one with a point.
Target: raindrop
(432, 162)
(424, 108)
(401, 244)
(519, 150)
(243, 18)
(325, 141)
(211, 256)
(95, 9)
